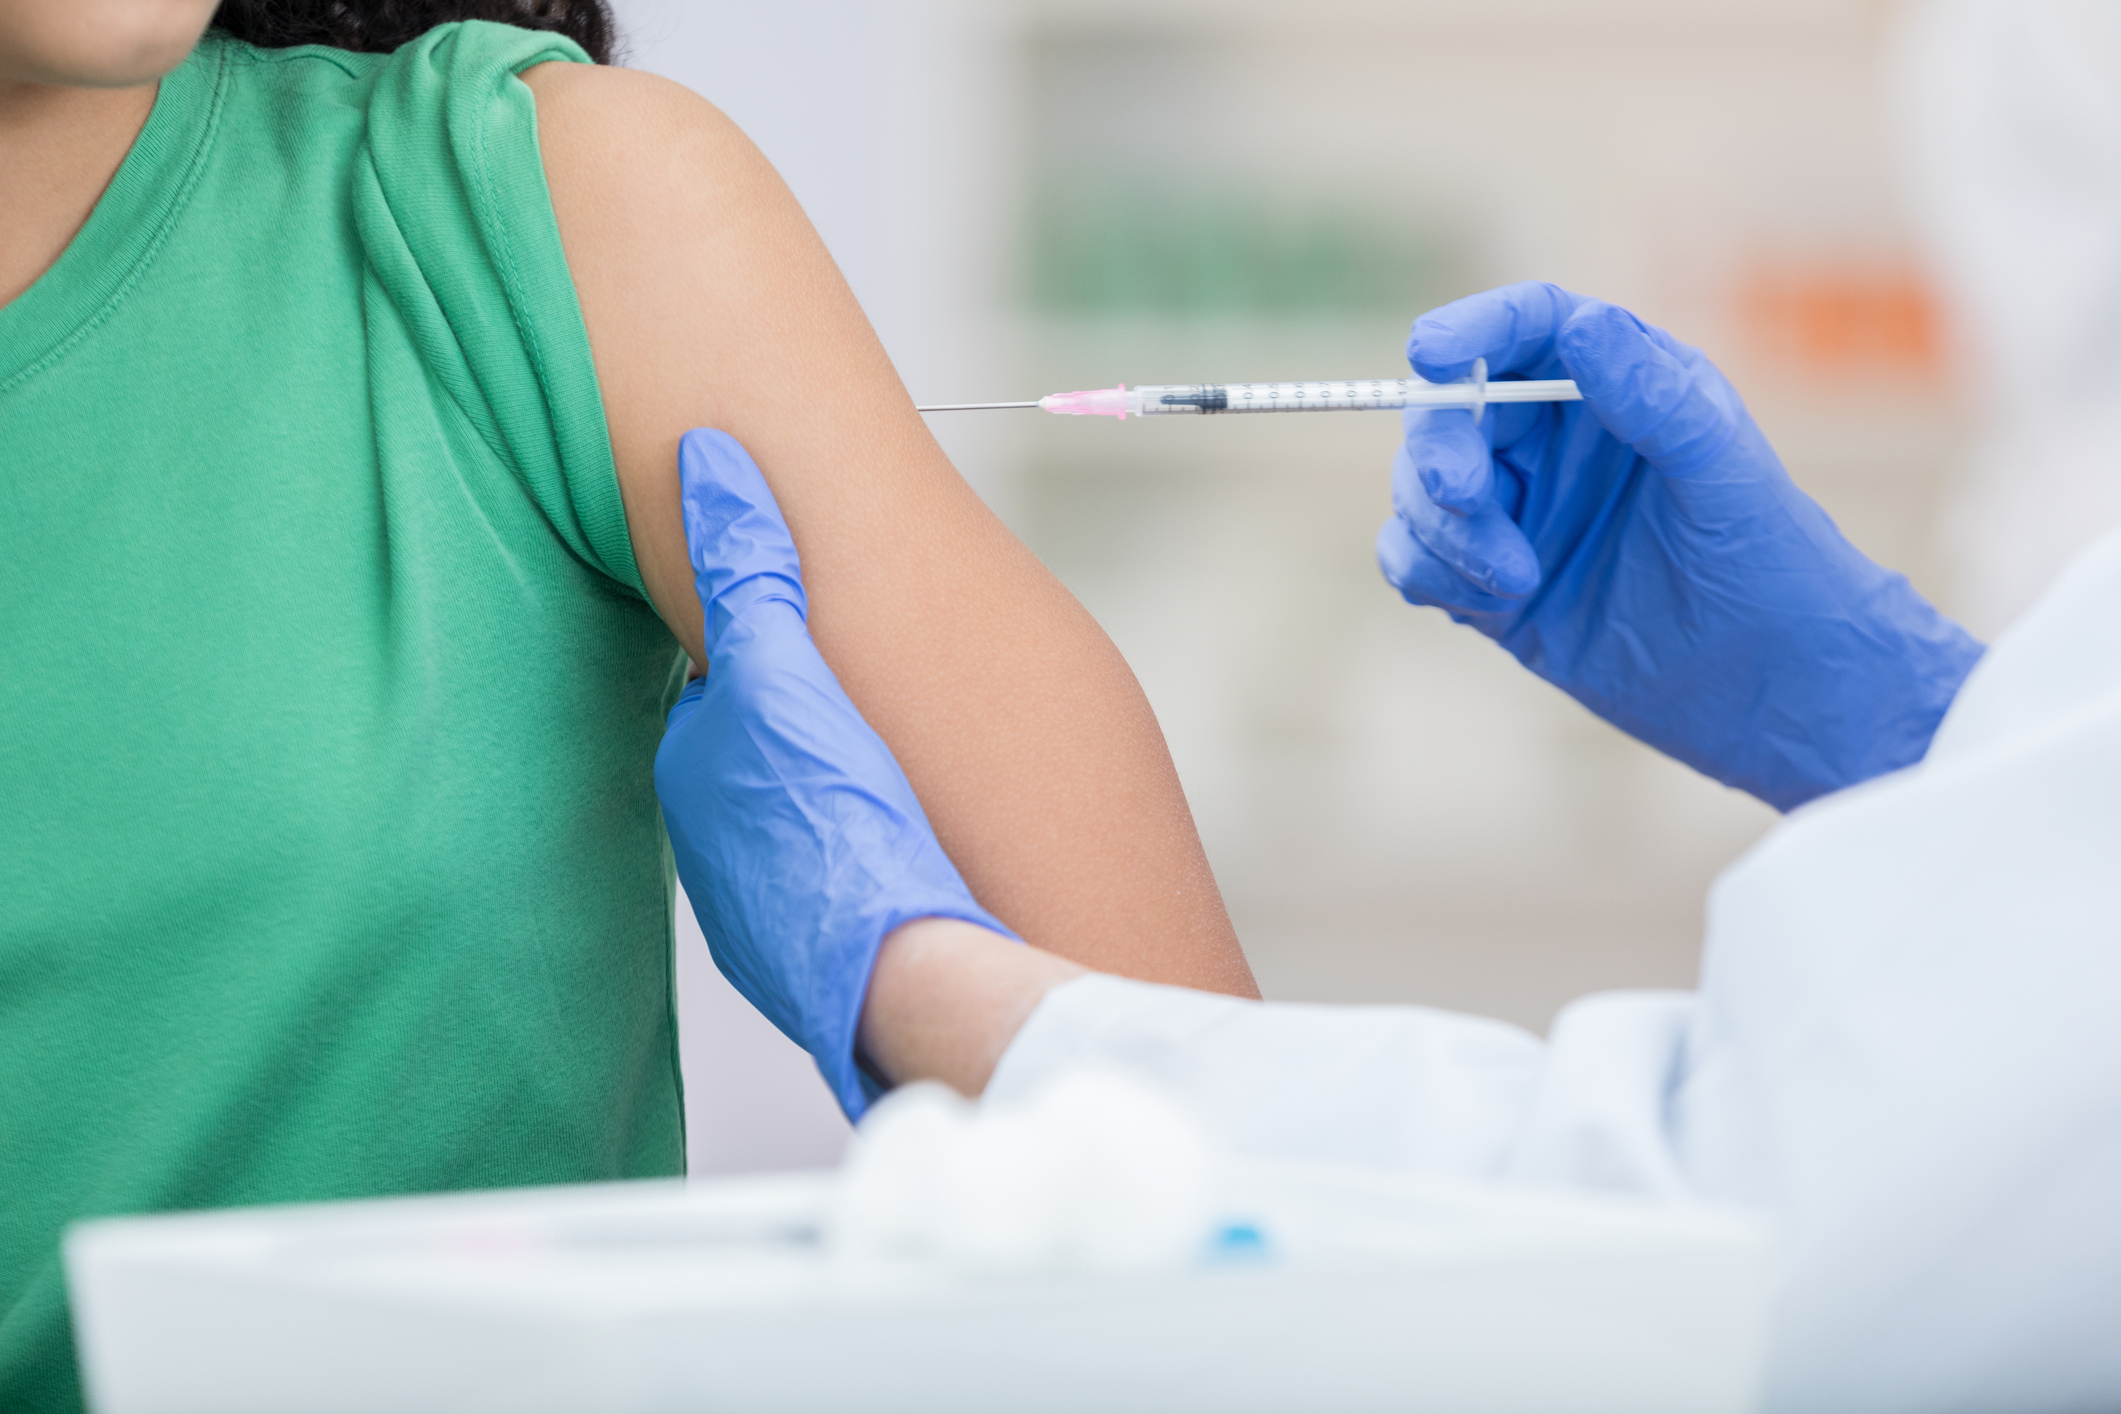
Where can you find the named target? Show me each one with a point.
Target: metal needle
(972, 407)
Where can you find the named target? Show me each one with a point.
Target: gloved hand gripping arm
(1645, 551)
(797, 837)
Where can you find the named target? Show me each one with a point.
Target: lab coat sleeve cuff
(1387, 1086)
(1097, 1020)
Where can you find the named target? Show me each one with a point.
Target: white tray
(1377, 1294)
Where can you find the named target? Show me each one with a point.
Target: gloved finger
(1513, 328)
(1507, 424)
(1448, 456)
(1656, 402)
(1482, 543)
(1410, 567)
(742, 554)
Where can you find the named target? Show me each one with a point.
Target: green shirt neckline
(122, 235)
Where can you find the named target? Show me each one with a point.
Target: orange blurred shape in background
(1843, 319)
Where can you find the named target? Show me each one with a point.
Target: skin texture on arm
(709, 300)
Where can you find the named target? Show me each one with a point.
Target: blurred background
(1034, 195)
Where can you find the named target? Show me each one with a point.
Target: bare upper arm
(710, 302)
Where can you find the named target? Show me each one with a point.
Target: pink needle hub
(1095, 402)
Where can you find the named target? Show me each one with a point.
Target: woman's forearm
(947, 998)
(709, 301)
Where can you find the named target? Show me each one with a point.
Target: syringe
(1329, 395)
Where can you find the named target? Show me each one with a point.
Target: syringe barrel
(1330, 395)
(1335, 395)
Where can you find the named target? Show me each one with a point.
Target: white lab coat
(1905, 1048)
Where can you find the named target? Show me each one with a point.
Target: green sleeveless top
(330, 861)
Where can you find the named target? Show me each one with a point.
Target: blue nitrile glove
(798, 839)
(1644, 551)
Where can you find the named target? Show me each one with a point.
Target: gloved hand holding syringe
(1328, 395)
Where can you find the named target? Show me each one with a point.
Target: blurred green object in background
(1102, 243)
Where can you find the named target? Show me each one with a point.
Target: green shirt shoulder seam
(533, 344)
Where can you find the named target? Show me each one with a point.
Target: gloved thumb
(1642, 393)
(743, 557)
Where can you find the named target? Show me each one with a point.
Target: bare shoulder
(706, 296)
(593, 87)
(606, 130)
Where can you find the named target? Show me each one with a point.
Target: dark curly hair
(379, 26)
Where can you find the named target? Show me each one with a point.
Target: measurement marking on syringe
(1328, 395)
